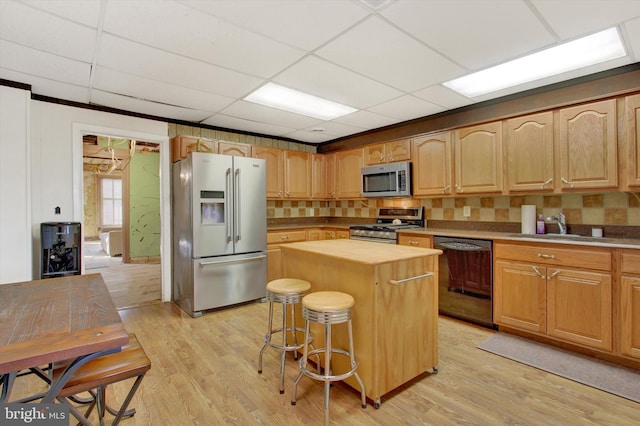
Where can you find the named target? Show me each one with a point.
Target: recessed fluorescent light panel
(276, 96)
(594, 49)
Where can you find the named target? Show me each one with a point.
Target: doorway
(130, 259)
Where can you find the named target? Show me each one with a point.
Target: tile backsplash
(612, 208)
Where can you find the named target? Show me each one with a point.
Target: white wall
(41, 156)
(15, 186)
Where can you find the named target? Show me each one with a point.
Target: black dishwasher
(465, 285)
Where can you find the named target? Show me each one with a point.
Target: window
(110, 201)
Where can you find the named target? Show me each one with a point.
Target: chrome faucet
(561, 220)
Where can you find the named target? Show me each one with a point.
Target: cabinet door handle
(567, 182)
(459, 188)
(413, 243)
(538, 273)
(398, 282)
(546, 256)
(284, 237)
(546, 182)
(553, 275)
(446, 189)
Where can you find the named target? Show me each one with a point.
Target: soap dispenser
(540, 226)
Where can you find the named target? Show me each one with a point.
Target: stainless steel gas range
(389, 221)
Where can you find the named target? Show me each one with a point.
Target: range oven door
(466, 279)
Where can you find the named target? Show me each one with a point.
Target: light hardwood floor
(204, 372)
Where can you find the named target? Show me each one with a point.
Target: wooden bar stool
(288, 292)
(328, 307)
(95, 375)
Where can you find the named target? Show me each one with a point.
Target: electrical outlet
(466, 211)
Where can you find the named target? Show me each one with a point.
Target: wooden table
(57, 319)
(395, 315)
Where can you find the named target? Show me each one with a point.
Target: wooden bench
(97, 374)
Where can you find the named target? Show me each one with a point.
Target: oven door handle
(417, 277)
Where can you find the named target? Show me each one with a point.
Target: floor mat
(618, 380)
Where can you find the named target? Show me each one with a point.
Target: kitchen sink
(570, 237)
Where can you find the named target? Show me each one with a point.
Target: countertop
(546, 238)
(361, 251)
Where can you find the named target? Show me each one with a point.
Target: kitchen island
(395, 316)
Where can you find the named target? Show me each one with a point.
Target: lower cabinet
(415, 240)
(274, 256)
(564, 293)
(630, 304)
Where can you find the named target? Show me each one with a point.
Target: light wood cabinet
(424, 241)
(348, 165)
(274, 256)
(335, 234)
(288, 172)
(632, 158)
(319, 177)
(297, 174)
(530, 159)
(275, 169)
(234, 148)
(330, 182)
(182, 145)
(388, 152)
(587, 144)
(564, 293)
(478, 159)
(630, 303)
(432, 161)
(314, 234)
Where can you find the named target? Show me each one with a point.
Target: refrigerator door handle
(237, 203)
(202, 264)
(227, 214)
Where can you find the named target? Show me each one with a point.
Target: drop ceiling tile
(380, 51)
(318, 77)
(126, 103)
(277, 117)
(366, 120)
(310, 137)
(632, 35)
(443, 96)
(133, 58)
(122, 83)
(335, 129)
(302, 23)
(40, 64)
(85, 12)
(570, 20)
(487, 33)
(54, 35)
(407, 108)
(50, 88)
(228, 122)
(200, 36)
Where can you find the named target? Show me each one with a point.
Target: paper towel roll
(528, 219)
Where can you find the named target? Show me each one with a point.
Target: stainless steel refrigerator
(219, 231)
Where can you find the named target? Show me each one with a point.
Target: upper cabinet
(330, 175)
(587, 145)
(478, 159)
(348, 166)
(288, 172)
(529, 145)
(234, 148)
(319, 176)
(431, 158)
(297, 174)
(388, 152)
(275, 169)
(633, 140)
(182, 145)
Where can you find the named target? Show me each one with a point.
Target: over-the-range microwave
(387, 180)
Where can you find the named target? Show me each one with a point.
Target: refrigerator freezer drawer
(227, 280)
